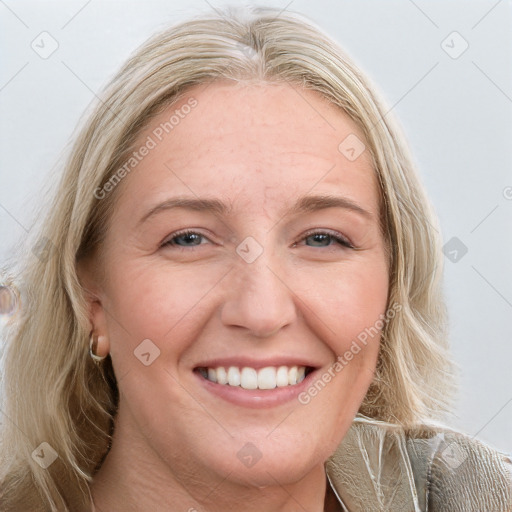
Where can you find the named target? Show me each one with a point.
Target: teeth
(233, 376)
(249, 378)
(269, 377)
(292, 376)
(282, 377)
(222, 376)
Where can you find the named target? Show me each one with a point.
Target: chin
(272, 462)
(270, 473)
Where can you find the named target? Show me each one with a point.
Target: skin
(258, 147)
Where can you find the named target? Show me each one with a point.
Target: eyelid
(168, 239)
(339, 237)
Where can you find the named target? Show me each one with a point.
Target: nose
(259, 298)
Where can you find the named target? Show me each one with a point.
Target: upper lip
(242, 362)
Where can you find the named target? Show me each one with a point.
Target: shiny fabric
(382, 467)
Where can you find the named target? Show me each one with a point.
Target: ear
(94, 297)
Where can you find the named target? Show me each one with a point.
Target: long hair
(52, 391)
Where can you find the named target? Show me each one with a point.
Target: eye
(324, 239)
(189, 238)
(185, 238)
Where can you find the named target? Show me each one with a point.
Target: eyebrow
(304, 204)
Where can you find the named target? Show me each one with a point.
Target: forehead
(253, 143)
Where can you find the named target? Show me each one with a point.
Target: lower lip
(256, 398)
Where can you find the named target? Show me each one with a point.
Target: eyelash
(339, 239)
(333, 234)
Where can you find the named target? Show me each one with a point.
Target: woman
(235, 303)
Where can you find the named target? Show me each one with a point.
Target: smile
(269, 377)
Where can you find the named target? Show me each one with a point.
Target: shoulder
(381, 466)
(460, 471)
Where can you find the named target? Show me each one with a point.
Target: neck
(134, 478)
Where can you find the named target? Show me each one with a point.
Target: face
(220, 266)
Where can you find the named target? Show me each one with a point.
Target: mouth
(248, 378)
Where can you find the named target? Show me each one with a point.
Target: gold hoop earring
(93, 346)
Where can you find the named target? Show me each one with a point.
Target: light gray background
(456, 113)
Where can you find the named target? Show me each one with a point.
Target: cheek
(349, 302)
(159, 302)
(155, 314)
(349, 309)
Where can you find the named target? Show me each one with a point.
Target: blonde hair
(52, 391)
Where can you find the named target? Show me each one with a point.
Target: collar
(371, 469)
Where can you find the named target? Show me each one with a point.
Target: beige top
(432, 468)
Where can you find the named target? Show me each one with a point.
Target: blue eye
(321, 237)
(190, 239)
